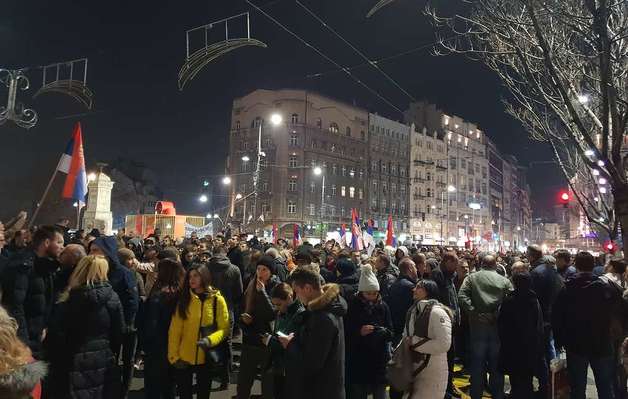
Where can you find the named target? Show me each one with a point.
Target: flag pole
(78, 214)
(43, 198)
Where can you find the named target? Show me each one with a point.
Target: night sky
(135, 50)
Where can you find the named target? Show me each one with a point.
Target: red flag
(389, 232)
(296, 237)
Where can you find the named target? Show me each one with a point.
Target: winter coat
(368, 355)
(28, 296)
(281, 269)
(286, 323)
(432, 381)
(184, 333)
(520, 327)
(227, 279)
(262, 312)
(84, 333)
(400, 300)
(236, 258)
(348, 285)
(581, 316)
(315, 357)
(547, 284)
(121, 278)
(157, 315)
(386, 278)
(447, 290)
(481, 295)
(19, 383)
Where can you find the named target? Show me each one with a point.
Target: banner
(202, 231)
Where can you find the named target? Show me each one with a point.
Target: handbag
(217, 355)
(400, 372)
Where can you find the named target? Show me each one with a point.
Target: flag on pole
(343, 231)
(275, 233)
(356, 243)
(296, 237)
(367, 236)
(72, 163)
(390, 233)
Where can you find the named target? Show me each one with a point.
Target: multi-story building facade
(388, 174)
(315, 131)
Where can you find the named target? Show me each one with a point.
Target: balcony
(418, 162)
(441, 167)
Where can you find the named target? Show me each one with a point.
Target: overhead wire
(357, 51)
(326, 57)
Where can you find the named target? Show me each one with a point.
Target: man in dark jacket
(581, 319)
(279, 263)
(348, 277)
(386, 275)
(402, 296)
(234, 253)
(124, 284)
(28, 286)
(316, 353)
(563, 264)
(69, 258)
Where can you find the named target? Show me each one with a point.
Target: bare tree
(564, 63)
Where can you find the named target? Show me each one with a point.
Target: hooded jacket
(581, 317)
(121, 278)
(85, 332)
(316, 355)
(20, 382)
(28, 295)
(547, 284)
(227, 279)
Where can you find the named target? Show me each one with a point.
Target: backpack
(400, 371)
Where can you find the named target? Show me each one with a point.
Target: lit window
(293, 161)
(333, 190)
(294, 119)
(333, 127)
(360, 193)
(319, 123)
(292, 207)
(351, 192)
(312, 210)
(312, 187)
(342, 191)
(292, 185)
(294, 140)
(237, 126)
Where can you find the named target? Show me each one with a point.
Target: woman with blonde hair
(20, 376)
(85, 330)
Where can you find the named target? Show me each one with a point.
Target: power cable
(357, 51)
(329, 59)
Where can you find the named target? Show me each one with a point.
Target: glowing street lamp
(276, 119)
(238, 196)
(318, 171)
(216, 216)
(203, 198)
(226, 180)
(602, 181)
(451, 189)
(91, 176)
(583, 98)
(246, 158)
(589, 153)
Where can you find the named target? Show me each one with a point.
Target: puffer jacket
(28, 296)
(184, 333)
(23, 382)
(84, 333)
(227, 279)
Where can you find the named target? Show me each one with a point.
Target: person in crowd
(430, 327)
(18, 244)
(20, 374)
(85, 332)
(420, 262)
(127, 259)
(147, 267)
(563, 264)
(28, 287)
(547, 284)
(400, 253)
(348, 278)
(386, 275)
(369, 333)
(158, 310)
(581, 319)
(444, 275)
(519, 267)
(520, 326)
(227, 279)
(279, 263)
(256, 323)
(69, 258)
(289, 314)
(315, 352)
(235, 254)
(402, 295)
(200, 323)
(480, 296)
(188, 256)
(124, 284)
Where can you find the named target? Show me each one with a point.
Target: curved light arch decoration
(69, 78)
(23, 117)
(380, 4)
(197, 59)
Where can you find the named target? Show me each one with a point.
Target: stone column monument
(98, 212)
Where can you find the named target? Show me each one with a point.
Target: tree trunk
(620, 196)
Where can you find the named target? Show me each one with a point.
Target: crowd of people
(81, 312)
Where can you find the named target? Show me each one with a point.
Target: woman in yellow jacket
(191, 332)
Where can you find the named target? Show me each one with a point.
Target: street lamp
(91, 176)
(451, 189)
(226, 180)
(318, 171)
(238, 196)
(246, 158)
(589, 153)
(276, 119)
(203, 198)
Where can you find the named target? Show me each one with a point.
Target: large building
(314, 132)
(388, 162)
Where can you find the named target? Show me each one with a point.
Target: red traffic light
(610, 247)
(564, 197)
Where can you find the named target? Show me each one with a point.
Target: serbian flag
(72, 163)
(296, 236)
(343, 232)
(367, 237)
(356, 243)
(275, 233)
(390, 233)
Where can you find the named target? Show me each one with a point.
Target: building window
(292, 207)
(312, 210)
(257, 122)
(348, 131)
(265, 186)
(333, 190)
(342, 191)
(384, 167)
(294, 119)
(428, 176)
(402, 171)
(333, 127)
(319, 123)
(429, 192)
(265, 207)
(344, 171)
(360, 194)
(237, 125)
(292, 161)
(342, 211)
(362, 135)
(314, 144)
(312, 187)
(352, 192)
(292, 185)
(352, 173)
(334, 169)
(393, 188)
(294, 140)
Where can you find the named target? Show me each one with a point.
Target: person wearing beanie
(127, 258)
(348, 278)
(369, 332)
(256, 323)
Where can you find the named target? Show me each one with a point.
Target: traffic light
(610, 247)
(564, 198)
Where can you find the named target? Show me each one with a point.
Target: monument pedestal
(98, 212)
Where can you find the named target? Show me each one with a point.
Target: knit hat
(124, 254)
(404, 249)
(345, 267)
(368, 281)
(269, 262)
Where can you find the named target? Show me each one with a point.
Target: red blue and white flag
(356, 233)
(367, 236)
(72, 163)
(275, 233)
(343, 232)
(296, 237)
